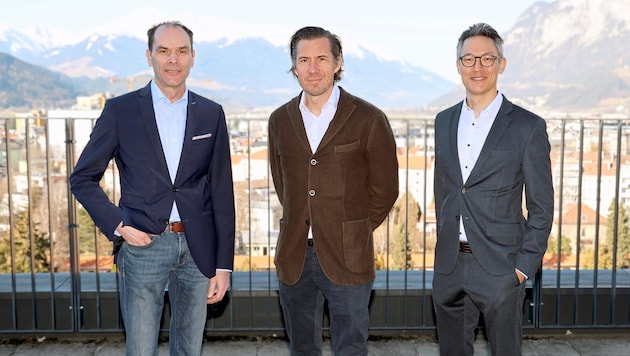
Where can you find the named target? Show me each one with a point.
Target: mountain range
(246, 73)
(565, 56)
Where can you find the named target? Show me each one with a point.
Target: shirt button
(311, 192)
(313, 162)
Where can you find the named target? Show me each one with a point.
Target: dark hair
(480, 29)
(311, 33)
(151, 32)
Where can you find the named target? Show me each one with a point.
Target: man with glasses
(487, 152)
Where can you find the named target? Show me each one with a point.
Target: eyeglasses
(469, 60)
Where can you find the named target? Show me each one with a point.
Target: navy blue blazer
(515, 157)
(127, 132)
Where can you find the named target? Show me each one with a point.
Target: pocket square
(201, 137)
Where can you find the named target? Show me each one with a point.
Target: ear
(458, 66)
(339, 63)
(148, 54)
(502, 65)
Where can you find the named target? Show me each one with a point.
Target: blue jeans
(303, 309)
(145, 272)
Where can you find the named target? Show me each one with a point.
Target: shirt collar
(158, 96)
(332, 102)
(492, 109)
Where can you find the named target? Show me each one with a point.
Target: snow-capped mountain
(247, 72)
(567, 55)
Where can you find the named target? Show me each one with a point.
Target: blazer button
(174, 190)
(311, 192)
(313, 162)
(464, 190)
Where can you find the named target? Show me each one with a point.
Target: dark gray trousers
(460, 297)
(303, 312)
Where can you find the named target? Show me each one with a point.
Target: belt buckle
(174, 226)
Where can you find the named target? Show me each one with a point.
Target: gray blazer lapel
(500, 125)
(450, 152)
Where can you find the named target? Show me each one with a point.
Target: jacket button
(174, 190)
(313, 162)
(464, 190)
(311, 192)
(307, 222)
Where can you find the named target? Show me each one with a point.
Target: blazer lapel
(500, 125)
(345, 107)
(450, 153)
(148, 117)
(297, 123)
(191, 114)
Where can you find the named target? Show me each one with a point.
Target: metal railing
(58, 277)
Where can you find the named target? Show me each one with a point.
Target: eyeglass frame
(494, 59)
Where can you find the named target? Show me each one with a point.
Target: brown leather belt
(175, 226)
(464, 247)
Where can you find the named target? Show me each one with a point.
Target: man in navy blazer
(487, 152)
(174, 224)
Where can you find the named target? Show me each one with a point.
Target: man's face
(171, 57)
(479, 80)
(315, 66)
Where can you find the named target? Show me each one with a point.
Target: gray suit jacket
(515, 157)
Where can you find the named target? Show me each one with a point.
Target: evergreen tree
(23, 252)
(401, 251)
(622, 239)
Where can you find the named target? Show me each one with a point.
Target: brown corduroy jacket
(343, 191)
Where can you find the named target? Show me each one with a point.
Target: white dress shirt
(316, 126)
(471, 136)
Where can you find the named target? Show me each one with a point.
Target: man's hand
(133, 236)
(521, 276)
(219, 284)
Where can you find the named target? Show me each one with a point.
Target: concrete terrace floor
(564, 345)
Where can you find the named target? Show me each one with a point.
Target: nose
(312, 66)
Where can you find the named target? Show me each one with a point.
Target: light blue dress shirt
(171, 124)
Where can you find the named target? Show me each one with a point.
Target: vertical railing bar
(51, 271)
(75, 277)
(31, 239)
(597, 210)
(560, 211)
(249, 219)
(10, 223)
(578, 239)
(423, 293)
(613, 284)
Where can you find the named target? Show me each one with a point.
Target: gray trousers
(460, 297)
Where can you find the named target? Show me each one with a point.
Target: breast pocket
(347, 148)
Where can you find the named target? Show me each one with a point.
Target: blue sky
(424, 34)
